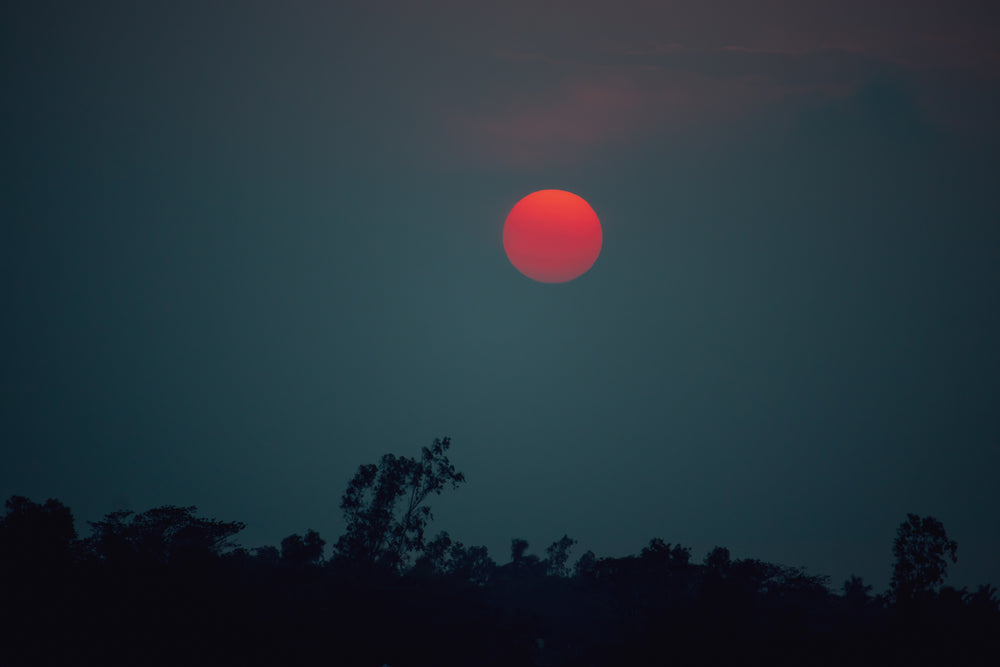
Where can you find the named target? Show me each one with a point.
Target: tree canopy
(385, 511)
(922, 550)
(161, 535)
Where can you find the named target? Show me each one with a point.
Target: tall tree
(384, 507)
(558, 556)
(921, 549)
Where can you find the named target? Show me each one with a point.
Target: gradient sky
(246, 247)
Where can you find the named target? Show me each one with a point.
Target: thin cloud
(596, 100)
(529, 84)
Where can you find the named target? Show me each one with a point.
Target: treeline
(167, 587)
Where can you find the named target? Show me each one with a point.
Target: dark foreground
(166, 588)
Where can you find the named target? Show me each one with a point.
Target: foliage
(267, 555)
(857, 594)
(471, 564)
(33, 533)
(522, 564)
(443, 557)
(434, 560)
(298, 551)
(385, 511)
(921, 549)
(662, 553)
(585, 565)
(984, 599)
(718, 561)
(161, 535)
(761, 577)
(558, 555)
(518, 547)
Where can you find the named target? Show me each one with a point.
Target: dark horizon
(247, 248)
(167, 585)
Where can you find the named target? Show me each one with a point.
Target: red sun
(552, 236)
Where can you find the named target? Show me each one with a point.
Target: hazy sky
(246, 247)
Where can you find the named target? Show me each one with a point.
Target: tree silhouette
(443, 557)
(471, 564)
(36, 535)
(857, 594)
(385, 511)
(434, 560)
(585, 565)
(718, 561)
(161, 535)
(267, 556)
(517, 548)
(558, 556)
(148, 589)
(984, 600)
(921, 548)
(522, 565)
(297, 551)
(659, 552)
(758, 577)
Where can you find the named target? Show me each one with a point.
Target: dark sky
(246, 247)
